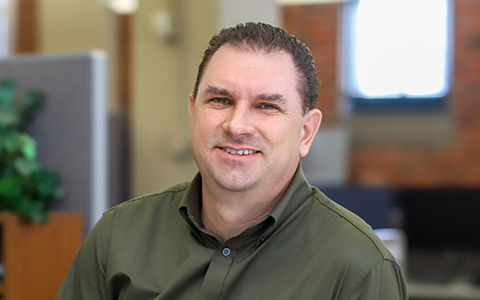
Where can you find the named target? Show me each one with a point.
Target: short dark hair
(260, 36)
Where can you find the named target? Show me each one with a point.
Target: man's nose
(239, 120)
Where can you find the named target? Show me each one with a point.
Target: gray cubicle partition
(71, 131)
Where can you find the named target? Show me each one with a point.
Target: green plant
(26, 188)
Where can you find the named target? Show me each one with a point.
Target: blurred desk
(443, 274)
(449, 291)
(36, 256)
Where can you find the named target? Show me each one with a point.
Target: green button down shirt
(308, 247)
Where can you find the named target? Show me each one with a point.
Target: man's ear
(191, 106)
(310, 128)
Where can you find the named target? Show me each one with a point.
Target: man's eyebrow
(271, 97)
(217, 91)
(264, 96)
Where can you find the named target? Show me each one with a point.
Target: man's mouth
(239, 152)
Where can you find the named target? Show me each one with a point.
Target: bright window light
(397, 48)
(4, 28)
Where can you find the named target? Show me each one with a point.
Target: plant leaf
(28, 208)
(8, 84)
(25, 187)
(25, 167)
(28, 146)
(5, 96)
(46, 182)
(11, 188)
(10, 142)
(8, 118)
(33, 100)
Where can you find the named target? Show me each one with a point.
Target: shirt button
(262, 239)
(226, 252)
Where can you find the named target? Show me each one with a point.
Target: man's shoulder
(350, 230)
(171, 196)
(134, 218)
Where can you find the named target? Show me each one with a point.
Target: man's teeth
(240, 152)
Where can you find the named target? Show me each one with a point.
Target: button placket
(217, 273)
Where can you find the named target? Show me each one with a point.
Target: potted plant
(26, 188)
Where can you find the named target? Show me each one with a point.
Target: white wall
(233, 12)
(5, 22)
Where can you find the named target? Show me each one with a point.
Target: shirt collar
(298, 190)
(295, 194)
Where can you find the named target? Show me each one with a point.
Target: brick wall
(316, 26)
(397, 165)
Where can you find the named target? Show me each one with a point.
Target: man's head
(270, 39)
(249, 122)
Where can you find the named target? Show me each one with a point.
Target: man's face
(248, 130)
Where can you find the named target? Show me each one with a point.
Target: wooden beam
(26, 36)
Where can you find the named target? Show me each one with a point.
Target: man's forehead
(235, 54)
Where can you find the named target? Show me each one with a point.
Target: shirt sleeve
(85, 278)
(384, 281)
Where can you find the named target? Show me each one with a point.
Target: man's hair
(260, 36)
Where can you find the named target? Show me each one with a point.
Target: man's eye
(220, 100)
(268, 106)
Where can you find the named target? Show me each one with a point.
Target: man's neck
(230, 213)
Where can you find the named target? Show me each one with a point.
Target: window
(4, 28)
(396, 54)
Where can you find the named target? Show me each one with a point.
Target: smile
(239, 152)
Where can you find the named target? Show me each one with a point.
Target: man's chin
(239, 183)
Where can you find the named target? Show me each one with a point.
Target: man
(249, 226)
